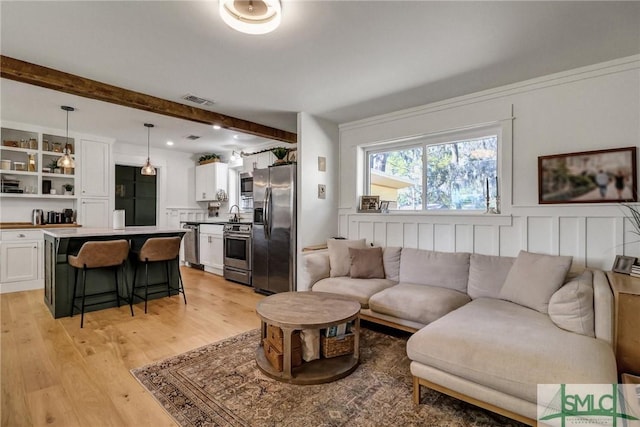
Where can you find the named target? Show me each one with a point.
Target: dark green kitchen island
(59, 275)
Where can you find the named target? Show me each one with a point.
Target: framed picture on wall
(602, 176)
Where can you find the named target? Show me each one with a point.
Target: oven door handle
(237, 236)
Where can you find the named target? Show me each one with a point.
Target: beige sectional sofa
(488, 329)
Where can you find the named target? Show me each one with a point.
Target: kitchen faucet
(236, 217)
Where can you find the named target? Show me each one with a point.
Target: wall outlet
(322, 191)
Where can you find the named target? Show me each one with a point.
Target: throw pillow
(487, 274)
(366, 263)
(339, 259)
(571, 306)
(534, 278)
(391, 262)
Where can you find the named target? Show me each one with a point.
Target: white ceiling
(340, 60)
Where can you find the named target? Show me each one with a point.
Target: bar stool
(110, 254)
(154, 250)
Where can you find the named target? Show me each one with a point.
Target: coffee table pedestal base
(315, 372)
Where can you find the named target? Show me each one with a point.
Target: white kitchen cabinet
(211, 248)
(265, 160)
(247, 163)
(95, 168)
(209, 179)
(95, 213)
(21, 254)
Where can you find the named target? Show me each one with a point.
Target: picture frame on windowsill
(369, 204)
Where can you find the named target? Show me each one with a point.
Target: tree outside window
(453, 174)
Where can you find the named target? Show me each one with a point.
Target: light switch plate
(322, 191)
(322, 164)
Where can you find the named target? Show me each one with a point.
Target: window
(442, 174)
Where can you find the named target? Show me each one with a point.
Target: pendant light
(148, 169)
(66, 161)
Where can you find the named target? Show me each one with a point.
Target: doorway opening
(137, 195)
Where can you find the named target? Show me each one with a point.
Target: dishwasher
(191, 244)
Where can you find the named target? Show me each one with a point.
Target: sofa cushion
(418, 303)
(443, 269)
(487, 274)
(339, 255)
(571, 307)
(534, 278)
(511, 348)
(366, 263)
(360, 289)
(391, 262)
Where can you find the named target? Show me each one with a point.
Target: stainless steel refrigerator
(274, 229)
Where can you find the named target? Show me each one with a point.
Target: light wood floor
(56, 374)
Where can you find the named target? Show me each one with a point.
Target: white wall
(317, 218)
(590, 108)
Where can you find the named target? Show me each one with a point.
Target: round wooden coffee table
(293, 311)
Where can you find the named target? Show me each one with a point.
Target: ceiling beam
(25, 72)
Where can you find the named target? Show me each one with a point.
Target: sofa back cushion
(339, 259)
(366, 263)
(534, 278)
(571, 306)
(487, 274)
(444, 269)
(391, 262)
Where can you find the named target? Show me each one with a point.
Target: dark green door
(136, 194)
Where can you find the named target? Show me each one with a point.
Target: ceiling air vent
(192, 137)
(197, 100)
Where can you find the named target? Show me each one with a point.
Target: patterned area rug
(220, 385)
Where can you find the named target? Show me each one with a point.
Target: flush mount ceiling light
(148, 169)
(66, 161)
(251, 16)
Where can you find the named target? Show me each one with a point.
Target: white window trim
(503, 130)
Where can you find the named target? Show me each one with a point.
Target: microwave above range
(246, 185)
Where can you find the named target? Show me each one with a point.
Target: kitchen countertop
(28, 225)
(127, 231)
(215, 222)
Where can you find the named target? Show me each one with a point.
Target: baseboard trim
(417, 382)
(28, 285)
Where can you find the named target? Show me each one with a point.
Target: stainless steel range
(237, 252)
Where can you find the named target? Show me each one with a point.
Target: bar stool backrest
(160, 249)
(108, 253)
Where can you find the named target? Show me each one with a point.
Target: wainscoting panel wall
(593, 241)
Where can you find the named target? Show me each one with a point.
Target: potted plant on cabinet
(68, 189)
(280, 153)
(208, 158)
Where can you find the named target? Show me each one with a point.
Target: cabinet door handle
(204, 195)
(21, 235)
